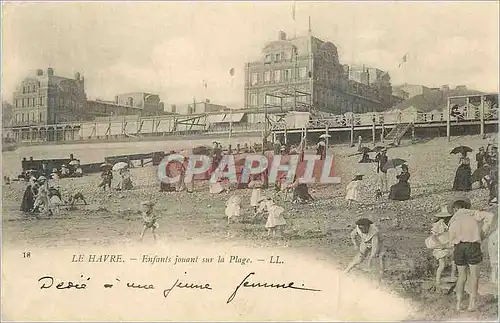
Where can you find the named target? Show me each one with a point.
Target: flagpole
(294, 23)
(231, 112)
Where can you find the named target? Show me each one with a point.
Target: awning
(215, 118)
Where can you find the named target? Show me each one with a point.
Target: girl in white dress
(352, 190)
(439, 242)
(233, 207)
(275, 219)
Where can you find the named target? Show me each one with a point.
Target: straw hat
(54, 170)
(147, 203)
(443, 213)
(42, 178)
(463, 199)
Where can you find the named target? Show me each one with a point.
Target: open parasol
(393, 163)
(106, 165)
(480, 173)
(120, 165)
(74, 162)
(325, 136)
(461, 149)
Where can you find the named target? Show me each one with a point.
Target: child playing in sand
(439, 242)
(233, 207)
(353, 190)
(275, 219)
(370, 244)
(149, 218)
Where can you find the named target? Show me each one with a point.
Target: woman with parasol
(401, 190)
(125, 182)
(463, 175)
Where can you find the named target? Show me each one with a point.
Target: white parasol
(119, 166)
(325, 136)
(74, 162)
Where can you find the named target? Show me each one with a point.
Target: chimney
(39, 72)
(77, 76)
(281, 35)
(116, 99)
(50, 71)
(445, 88)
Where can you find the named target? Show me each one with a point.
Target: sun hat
(443, 213)
(455, 200)
(364, 221)
(42, 178)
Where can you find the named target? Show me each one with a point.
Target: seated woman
(401, 190)
(300, 192)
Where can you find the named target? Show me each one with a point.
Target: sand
(322, 227)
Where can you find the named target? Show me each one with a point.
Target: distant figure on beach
(277, 147)
(370, 245)
(300, 191)
(481, 157)
(463, 176)
(401, 190)
(256, 186)
(353, 190)
(106, 178)
(64, 171)
(381, 160)
(321, 148)
(29, 196)
(365, 158)
(439, 243)
(125, 180)
(149, 219)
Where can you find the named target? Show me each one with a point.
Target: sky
(170, 48)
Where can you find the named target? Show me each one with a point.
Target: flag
(293, 11)
(205, 84)
(403, 60)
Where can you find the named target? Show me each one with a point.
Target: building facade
(45, 98)
(310, 65)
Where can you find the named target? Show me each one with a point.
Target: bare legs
(153, 230)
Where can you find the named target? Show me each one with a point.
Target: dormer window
(267, 60)
(130, 101)
(277, 57)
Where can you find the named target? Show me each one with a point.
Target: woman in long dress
(126, 181)
(401, 190)
(463, 176)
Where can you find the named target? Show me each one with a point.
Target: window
(267, 59)
(288, 74)
(277, 57)
(255, 78)
(277, 76)
(22, 117)
(267, 77)
(40, 101)
(40, 117)
(130, 101)
(17, 117)
(17, 103)
(33, 116)
(303, 72)
(253, 99)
